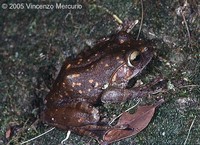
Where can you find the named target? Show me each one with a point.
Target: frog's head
(136, 55)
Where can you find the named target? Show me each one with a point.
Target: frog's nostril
(144, 49)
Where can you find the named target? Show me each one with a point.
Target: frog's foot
(94, 131)
(97, 131)
(154, 87)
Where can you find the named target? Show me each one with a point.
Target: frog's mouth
(136, 62)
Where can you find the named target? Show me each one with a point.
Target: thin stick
(125, 111)
(189, 130)
(132, 26)
(67, 137)
(186, 25)
(187, 86)
(37, 136)
(141, 22)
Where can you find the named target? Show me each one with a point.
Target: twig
(189, 130)
(186, 25)
(67, 137)
(132, 26)
(37, 136)
(189, 86)
(125, 111)
(142, 17)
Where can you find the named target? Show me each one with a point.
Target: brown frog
(101, 74)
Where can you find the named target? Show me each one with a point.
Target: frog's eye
(133, 58)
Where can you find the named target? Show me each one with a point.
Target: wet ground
(35, 42)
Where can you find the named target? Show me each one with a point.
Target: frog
(96, 76)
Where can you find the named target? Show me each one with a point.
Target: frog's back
(85, 77)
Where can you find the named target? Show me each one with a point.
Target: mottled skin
(97, 75)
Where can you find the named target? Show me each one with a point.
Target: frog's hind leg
(73, 114)
(79, 117)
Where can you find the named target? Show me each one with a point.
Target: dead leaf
(136, 123)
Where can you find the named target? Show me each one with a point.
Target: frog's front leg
(117, 95)
(114, 94)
